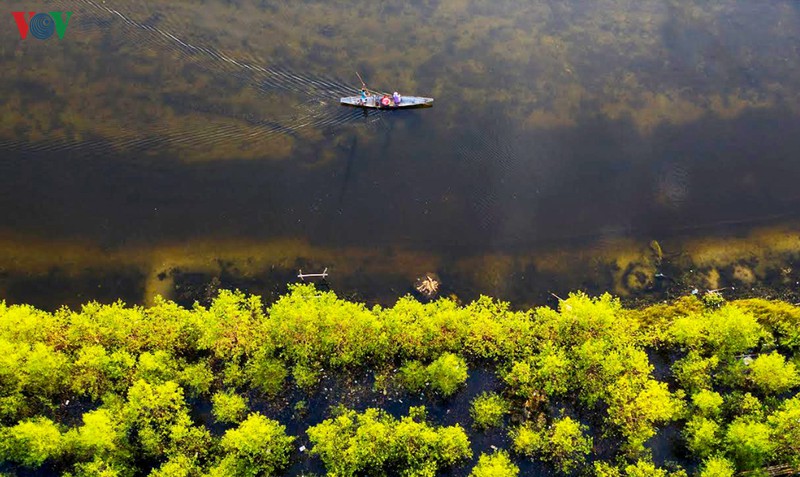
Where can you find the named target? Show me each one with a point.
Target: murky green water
(153, 127)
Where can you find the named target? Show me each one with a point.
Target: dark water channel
(158, 125)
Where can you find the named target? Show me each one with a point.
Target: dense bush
(708, 403)
(31, 442)
(488, 410)
(771, 374)
(497, 464)
(444, 375)
(447, 373)
(375, 443)
(259, 446)
(703, 436)
(786, 431)
(563, 442)
(749, 443)
(228, 407)
(694, 372)
(717, 467)
(133, 373)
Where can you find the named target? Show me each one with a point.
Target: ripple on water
(318, 108)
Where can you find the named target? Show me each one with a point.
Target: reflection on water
(556, 124)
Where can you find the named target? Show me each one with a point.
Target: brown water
(174, 147)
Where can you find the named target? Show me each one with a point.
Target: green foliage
(708, 403)
(640, 468)
(785, 424)
(568, 444)
(488, 410)
(164, 326)
(726, 331)
(300, 409)
(580, 319)
(157, 367)
(228, 407)
(497, 464)
(553, 370)
(743, 405)
(413, 376)
(31, 443)
(374, 443)
(233, 375)
(231, 326)
(585, 348)
(733, 374)
(26, 324)
(732, 331)
(495, 332)
(12, 400)
(749, 443)
(644, 468)
(563, 443)
(604, 469)
(529, 440)
(636, 406)
(658, 317)
(717, 467)
(522, 380)
(447, 373)
(694, 372)
(89, 372)
(771, 374)
(138, 364)
(267, 374)
(196, 379)
(780, 317)
(178, 466)
(702, 436)
(46, 371)
(100, 435)
(314, 326)
(713, 299)
(259, 446)
(118, 370)
(158, 419)
(99, 467)
(425, 331)
(690, 331)
(305, 376)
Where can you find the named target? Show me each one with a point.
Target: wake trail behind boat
(318, 110)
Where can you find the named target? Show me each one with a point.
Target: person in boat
(396, 98)
(385, 101)
(363, 95)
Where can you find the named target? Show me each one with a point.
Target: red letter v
(21, 24)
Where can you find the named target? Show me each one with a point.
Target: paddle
(365, 84)
(362, 80)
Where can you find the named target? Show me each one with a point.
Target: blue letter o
(42, 26)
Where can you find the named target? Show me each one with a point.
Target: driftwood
(303, 276)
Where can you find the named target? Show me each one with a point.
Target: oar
(362, 80)
(365, 84)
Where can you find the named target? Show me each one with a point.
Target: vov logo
(42, 25)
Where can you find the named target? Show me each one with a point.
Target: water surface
(203, 139)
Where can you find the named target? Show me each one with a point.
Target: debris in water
(428, 285)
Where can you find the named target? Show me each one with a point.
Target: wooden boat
(374, 101)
